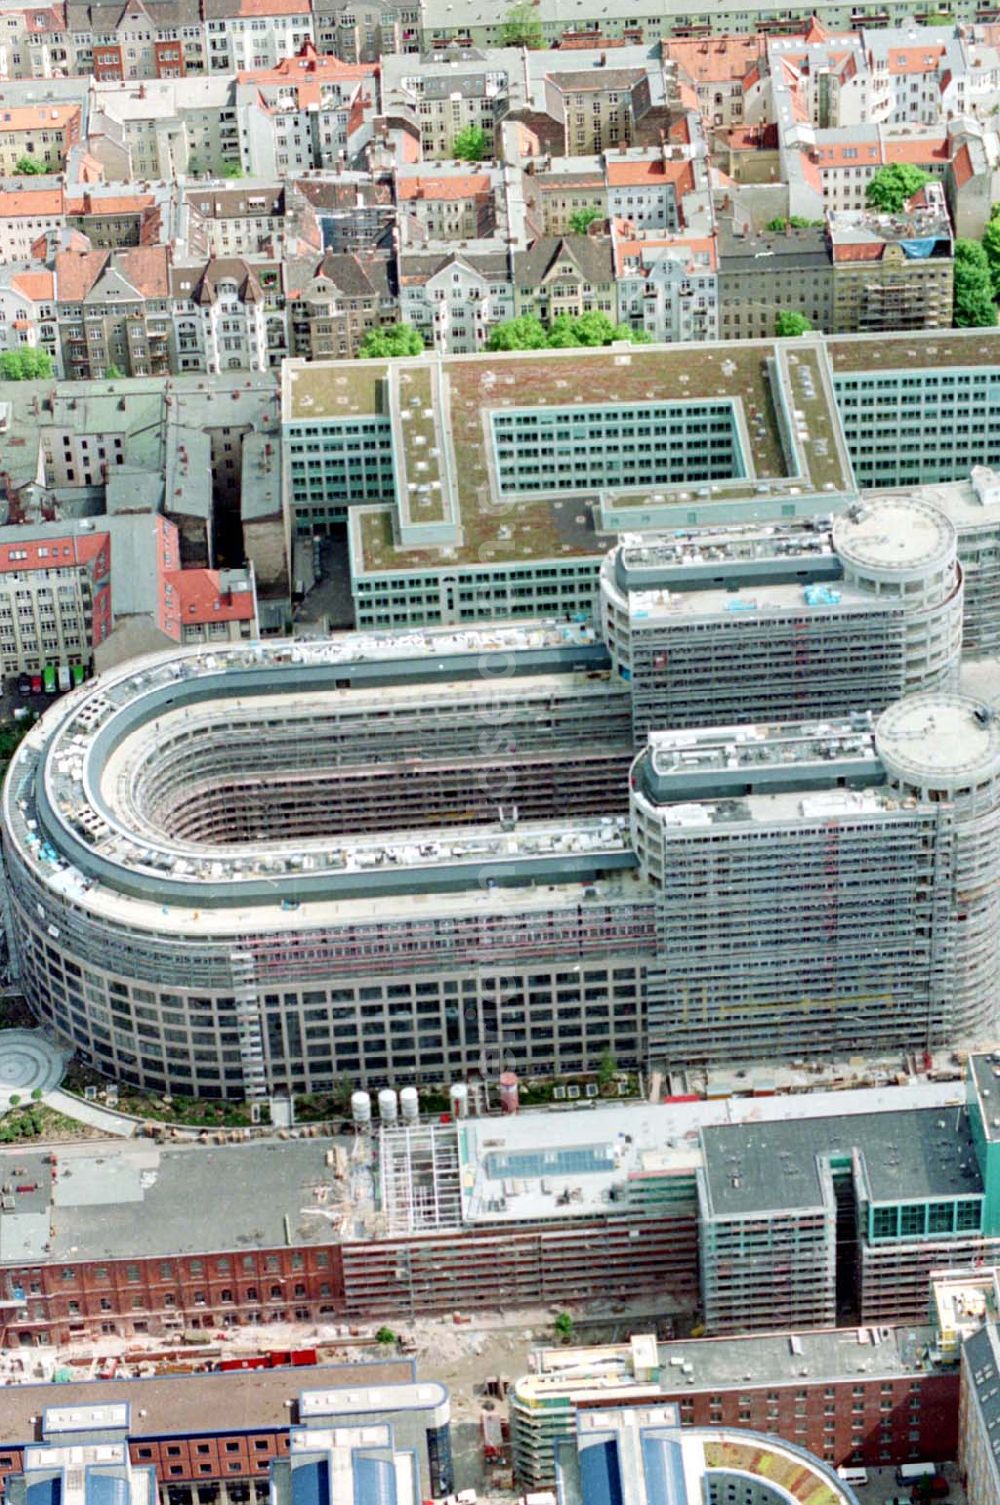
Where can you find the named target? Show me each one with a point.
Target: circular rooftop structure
(940, 741)
(895, 538)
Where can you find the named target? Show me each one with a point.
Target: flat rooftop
(783, 1358)
(114, 1200)
(776, 1167)
(526, 1161)
(192, 1404)
(783, 402)
(985, 1083)
(936, 735)
(908, 352)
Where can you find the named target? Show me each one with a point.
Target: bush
(385, 1337)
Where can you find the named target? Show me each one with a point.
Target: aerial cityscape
(500, 753)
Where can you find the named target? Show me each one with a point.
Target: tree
(385, 1337)
(27, 167)
(991, 245)
(25, 364)
(974, 306)
(115, 372)
(563, 1325)
(232, 170)
(523, 333)
(522, 27)
(790, 322)
(607, 1068)
(37, 1095)
(581, 220)
(471, 144)
(893, 186)
(398, 339)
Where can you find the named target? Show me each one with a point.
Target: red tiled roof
(64, 550)
(38, 286)
(201, 599)
(713, 60)
(930, 149)
(463, 186)
(51, 117)
(624, 174)
(921, 58)
(962, 166)
(20, 202)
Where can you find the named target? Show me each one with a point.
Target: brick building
(214, 1437)
(848, 1395)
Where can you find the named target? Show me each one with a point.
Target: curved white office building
(410, 858)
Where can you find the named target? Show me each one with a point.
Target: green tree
(15, 1098)
(232, 170)
(27, 167)
(581, 220)
(522, 27)
(790, 322)
(37, 1095)
(777, 225)
(563, 1325)
(471, 144)
(25, 364)
(523, 333)
(385, 1337)
(974, 306)
(991, 245)
(607, 1068)
(893, 186)
(398, 339)
(115, 372)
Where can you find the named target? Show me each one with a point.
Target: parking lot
(882, 1487)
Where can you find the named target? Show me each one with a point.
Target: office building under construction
(189, 911)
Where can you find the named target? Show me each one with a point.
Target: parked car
(36, 684)
(24, 684)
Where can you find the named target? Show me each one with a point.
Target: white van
(856, 1477)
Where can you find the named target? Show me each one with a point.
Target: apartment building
(762, 274)
(43, 132)
(893, 272)
(55, 598)
(113, 310)
(455, 204)
(668, 285)
(439, 96)
(366, 33)
(651, 188)
(720, 70)
(337, 301)
(26, 214)
(300, 113)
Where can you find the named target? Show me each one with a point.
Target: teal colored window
(940, 1217)
(885, 1222)
(911, 1219)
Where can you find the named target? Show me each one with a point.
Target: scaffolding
(248, 1024)
(420, 1178)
